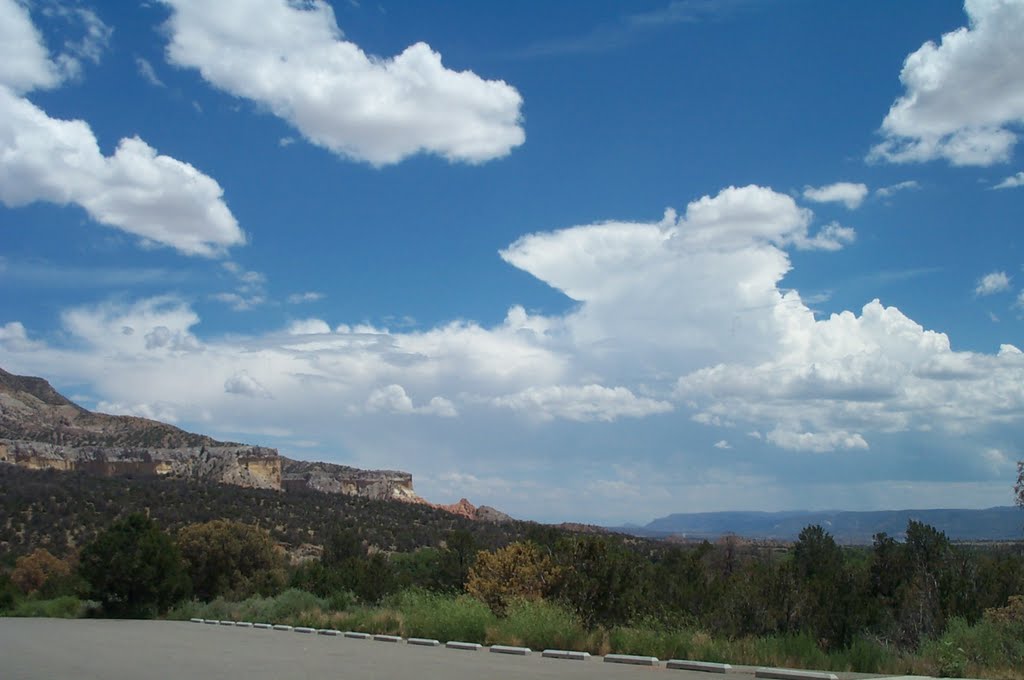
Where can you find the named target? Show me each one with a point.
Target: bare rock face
(250, 466)
(484, 513)
(42, 429)
(331, 478)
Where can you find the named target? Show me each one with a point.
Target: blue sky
(580, 261)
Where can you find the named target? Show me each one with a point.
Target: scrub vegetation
(913, 604)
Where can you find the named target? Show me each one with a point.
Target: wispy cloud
(1011, 182)
(629, 28)
(308, 296)
(250, 288)
(43, 274)
(147, 72)
(886, 192)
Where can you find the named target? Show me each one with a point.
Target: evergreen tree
(134, 569)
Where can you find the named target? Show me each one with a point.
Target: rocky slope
(42, 429)
(331, 478)
(483, 513)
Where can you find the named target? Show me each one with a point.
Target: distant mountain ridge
(991, 524)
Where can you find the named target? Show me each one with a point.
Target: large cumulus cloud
(293, 59)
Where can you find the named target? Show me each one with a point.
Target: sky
(580, 261)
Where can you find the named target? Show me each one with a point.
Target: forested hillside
(64, 510)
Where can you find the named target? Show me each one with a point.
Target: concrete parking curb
(565, 654)
(793, 674)
(632, 659)
(704, 666)
(351, 634)
(424, 642)
(387, 638)
(505, 649)
(468, 646)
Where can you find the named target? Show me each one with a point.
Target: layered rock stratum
(42, 429)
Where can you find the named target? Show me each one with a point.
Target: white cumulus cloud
(394, 399)
(292, 58)
(682, 320)
(818, 442)
(964, 98)
(158, 198)
(849, 194)
(834, 380)
(995, 282)
(582, 403)
(244, 384)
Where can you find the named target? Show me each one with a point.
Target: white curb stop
(262, 626)
(328, 631)
(243, 624)
(468, 646)
(212, 622)
(565, 654)
(304, 629)
(227, 623)
(282, 627)
(792, 674)
(356, 636)
(195, 620)
(704, 666)
(387, 638)
(632, 659)
(505, 649)
(424, 642)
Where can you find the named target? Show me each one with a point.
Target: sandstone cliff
(250, 466)
(331, 478)
(42, 429)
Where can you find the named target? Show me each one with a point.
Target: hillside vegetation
(78, 545)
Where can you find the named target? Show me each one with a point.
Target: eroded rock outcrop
(484, 513)
(42, 429)
(250, 466)
(331, 478)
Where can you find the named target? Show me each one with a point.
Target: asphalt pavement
(91, 649)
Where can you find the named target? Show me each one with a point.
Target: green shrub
(991, 644)
(66, 607)
(663, 644)
(866, 656)
(285, 608)
(540, 625)
(444, 617)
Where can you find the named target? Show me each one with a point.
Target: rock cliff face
(42, 429)
(249, 466)
(330, 478)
